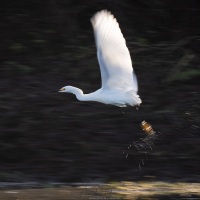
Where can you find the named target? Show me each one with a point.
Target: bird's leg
(137, 107)
(123, 110)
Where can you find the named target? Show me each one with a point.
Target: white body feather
(119, 82)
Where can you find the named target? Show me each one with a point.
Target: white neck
(79, 94)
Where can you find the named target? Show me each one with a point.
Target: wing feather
(113, 54)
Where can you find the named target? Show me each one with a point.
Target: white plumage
(119, 82)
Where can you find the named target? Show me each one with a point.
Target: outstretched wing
(112, 52)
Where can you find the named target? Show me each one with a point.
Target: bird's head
(70, 89)
(63, 89)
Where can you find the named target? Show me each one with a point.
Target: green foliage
(142, 41)
(17, 47)
(190, 74)
(14, 68)
(185, 75)
(39, 41)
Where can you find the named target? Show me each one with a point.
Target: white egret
(119, 82)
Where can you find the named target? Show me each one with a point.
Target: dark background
(47, 136)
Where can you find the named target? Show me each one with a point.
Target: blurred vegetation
(51, 136)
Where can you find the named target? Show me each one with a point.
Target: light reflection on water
(118, 190)
(159, 190)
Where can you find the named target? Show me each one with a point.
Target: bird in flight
(119, 85)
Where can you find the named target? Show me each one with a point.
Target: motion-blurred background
(47, 136)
